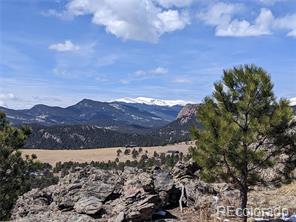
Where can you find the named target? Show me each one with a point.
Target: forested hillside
(91, 136)
(77, 136)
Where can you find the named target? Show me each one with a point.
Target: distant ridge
(103, 114)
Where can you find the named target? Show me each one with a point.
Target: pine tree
(13, 168)
(119, 151)
(244, 129)
(135, 154)
(127, 152)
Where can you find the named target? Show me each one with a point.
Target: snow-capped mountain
(293, 101)
(152, 101)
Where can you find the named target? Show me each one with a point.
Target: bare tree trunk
(181, 198)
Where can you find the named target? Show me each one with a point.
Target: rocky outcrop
(187, 113)
(91, 194)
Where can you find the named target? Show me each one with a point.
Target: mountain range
(94, 124)
(94, 136)
(90, 123)
(114, 115)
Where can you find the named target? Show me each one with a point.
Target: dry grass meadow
(102, 154)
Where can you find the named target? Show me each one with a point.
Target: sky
(57, 52)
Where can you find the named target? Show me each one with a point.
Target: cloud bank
(148, 20)
(222, 17)
(6, 97)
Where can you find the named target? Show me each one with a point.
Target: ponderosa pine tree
(245, 129)
(13, 168)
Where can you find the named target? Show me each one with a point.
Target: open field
(102, 154)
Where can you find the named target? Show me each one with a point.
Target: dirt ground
(102, 154)
(285, 197)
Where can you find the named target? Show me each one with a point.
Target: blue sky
(58, 52)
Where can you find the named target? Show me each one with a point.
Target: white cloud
(147, 20)
(172, 20)
(6, 97)
(240, 28)
(66, 46)
(55, 13)
(131, 19)
(101, 78)
(174, 3)
(124, 81)
(292, 33)
(85, 62)
(182, 80)
(269, 2)
(287, 22)
(141, 75)
(221, 16)
(157, 71)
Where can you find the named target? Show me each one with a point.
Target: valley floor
(102, 154)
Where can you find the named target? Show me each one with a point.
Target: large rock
(183, 170)
(163, 181)
(88, 205)
(34, 202)
(90, 194)
(140, 207)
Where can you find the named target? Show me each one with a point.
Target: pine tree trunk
(244, 186)
(244, 199)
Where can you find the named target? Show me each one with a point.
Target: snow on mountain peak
(152, 101)
(293, 101)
